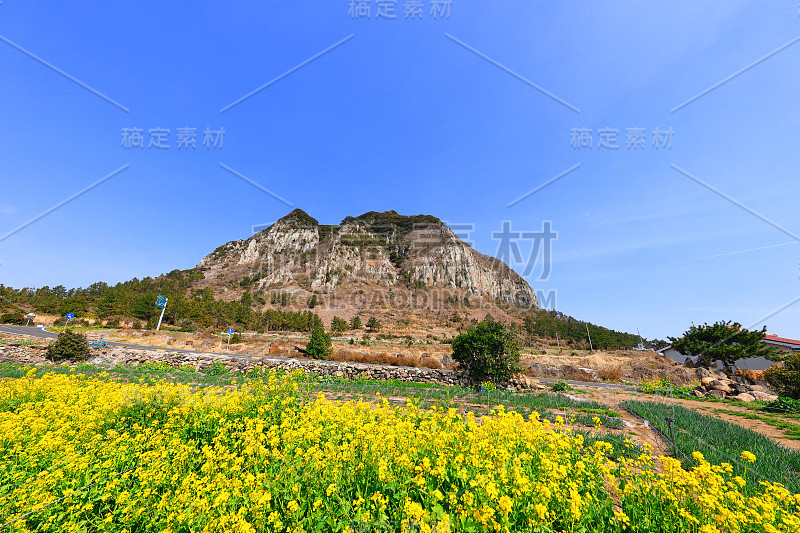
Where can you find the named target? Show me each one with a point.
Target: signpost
(161, 302)
(230, 332)
(29, 317)
(70, 316)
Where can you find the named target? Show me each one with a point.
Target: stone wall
(114, 356)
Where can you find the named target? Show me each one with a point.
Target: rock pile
(717, 384)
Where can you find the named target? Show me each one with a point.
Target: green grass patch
(790, 429)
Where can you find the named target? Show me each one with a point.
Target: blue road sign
(70, 316)
(230, 331)
(161, 302)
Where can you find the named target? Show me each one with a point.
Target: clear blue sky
(455, 117)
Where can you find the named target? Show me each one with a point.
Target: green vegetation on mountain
(391, 222)
(552, 324)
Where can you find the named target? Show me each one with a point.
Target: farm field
(130, 450)
(719, 441)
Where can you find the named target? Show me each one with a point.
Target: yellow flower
(749, 457)
(541, 511)
(505, 503)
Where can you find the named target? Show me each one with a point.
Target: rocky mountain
(402, 255)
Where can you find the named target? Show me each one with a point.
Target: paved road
(41, 334)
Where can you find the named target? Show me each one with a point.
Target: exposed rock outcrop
(387, 249)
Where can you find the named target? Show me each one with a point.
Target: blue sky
(455, 117)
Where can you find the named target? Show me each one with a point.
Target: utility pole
(589, 335)
(641, 341)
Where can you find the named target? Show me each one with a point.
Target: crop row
(721, 442)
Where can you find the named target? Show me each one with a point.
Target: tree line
(552, 324)
(187, 308)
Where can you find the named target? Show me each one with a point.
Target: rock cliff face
(387, 249)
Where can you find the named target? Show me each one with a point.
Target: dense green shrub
(320, 345)
(373, 324)
(13, 318)
(355, 322)
(561, 386)
(488, 351)
(783, 405)
(784, 378)
(69, 345)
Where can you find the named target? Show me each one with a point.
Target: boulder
(721, 386)
(447, 360)
(717, 393)
(763, 396)
(744, 397)
(708, 380)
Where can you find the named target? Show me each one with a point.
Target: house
(781, 343)
(754, 363)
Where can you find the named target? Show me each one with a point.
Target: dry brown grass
(611, 373)
(752, 375)
(576, 374)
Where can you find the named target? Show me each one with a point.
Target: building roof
(781, 340)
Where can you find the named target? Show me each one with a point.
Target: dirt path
(612, 398)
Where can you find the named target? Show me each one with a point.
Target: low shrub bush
(69, 345)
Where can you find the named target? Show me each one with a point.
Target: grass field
(107, 452)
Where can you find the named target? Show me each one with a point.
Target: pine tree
(373, 324)
(338, 325)
(320, 345)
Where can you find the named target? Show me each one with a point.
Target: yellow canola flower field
(81, 454)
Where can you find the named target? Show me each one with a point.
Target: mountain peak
(298, 217)
(391, 221)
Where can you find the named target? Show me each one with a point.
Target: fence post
(671, 421)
